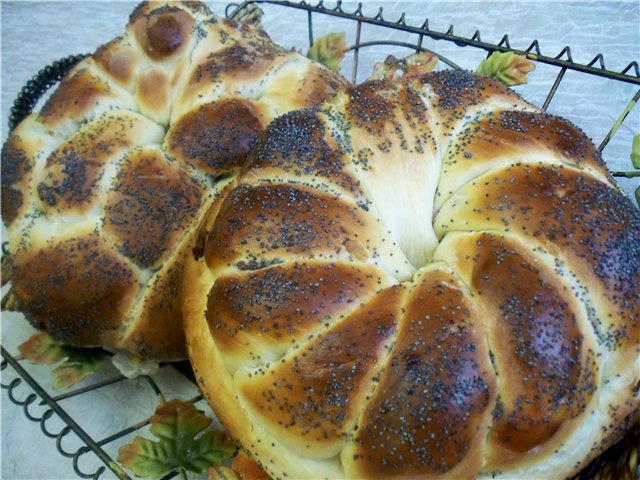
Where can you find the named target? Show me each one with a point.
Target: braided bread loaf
(102, 189)
(421, 278)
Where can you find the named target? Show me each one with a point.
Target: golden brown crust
(335, 369)
(429, 411)
(547, 371)
(498, 332)
(81, 305)
(156, 333)
(235, 59)
(119, 60)
(216, 137)
(456, 97)
(274, 309)
(73, 171)
(584, 222)
(116, 171)
(163, 33)
(515, 136)
(16, 172)
(262, 224)
(79, 97)
(145, 190)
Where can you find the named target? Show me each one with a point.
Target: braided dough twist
(103, 187)
(421, 278)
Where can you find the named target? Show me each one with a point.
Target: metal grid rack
(50, 406)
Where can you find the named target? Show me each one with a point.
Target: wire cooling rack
(93, 455)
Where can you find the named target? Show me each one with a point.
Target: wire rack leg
(66, 418)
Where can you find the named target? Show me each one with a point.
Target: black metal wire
(563, 60)
(444, 59)
(66, 418)
(38, 86)
(503, 46)
(90, 445)
(554, 88)
(613, 129)
(89, 388)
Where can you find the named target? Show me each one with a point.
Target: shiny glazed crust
(103, 187)
(421, 278)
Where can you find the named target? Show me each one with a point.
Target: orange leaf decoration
(242, 468)
(42, 348)
(77, 363)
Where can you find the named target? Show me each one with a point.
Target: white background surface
(36, 33)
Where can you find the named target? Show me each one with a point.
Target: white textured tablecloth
(36, 33)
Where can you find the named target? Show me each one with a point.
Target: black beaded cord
(38, 85)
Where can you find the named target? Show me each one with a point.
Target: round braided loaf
(420, 278)
(103, 187)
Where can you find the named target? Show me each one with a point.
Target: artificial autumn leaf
(509, 68)
(329, 50)
(177, 424)
(9, 302)
(78, 363)
(635, 152)
(411, 66)
(42, 348)
(243, 468)
(220, 472)
(81, 363)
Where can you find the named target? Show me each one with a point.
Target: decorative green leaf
(42, 348)
(635, 152)
(509, 68)
(329, 50)
(176, 424)
(80, 364)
